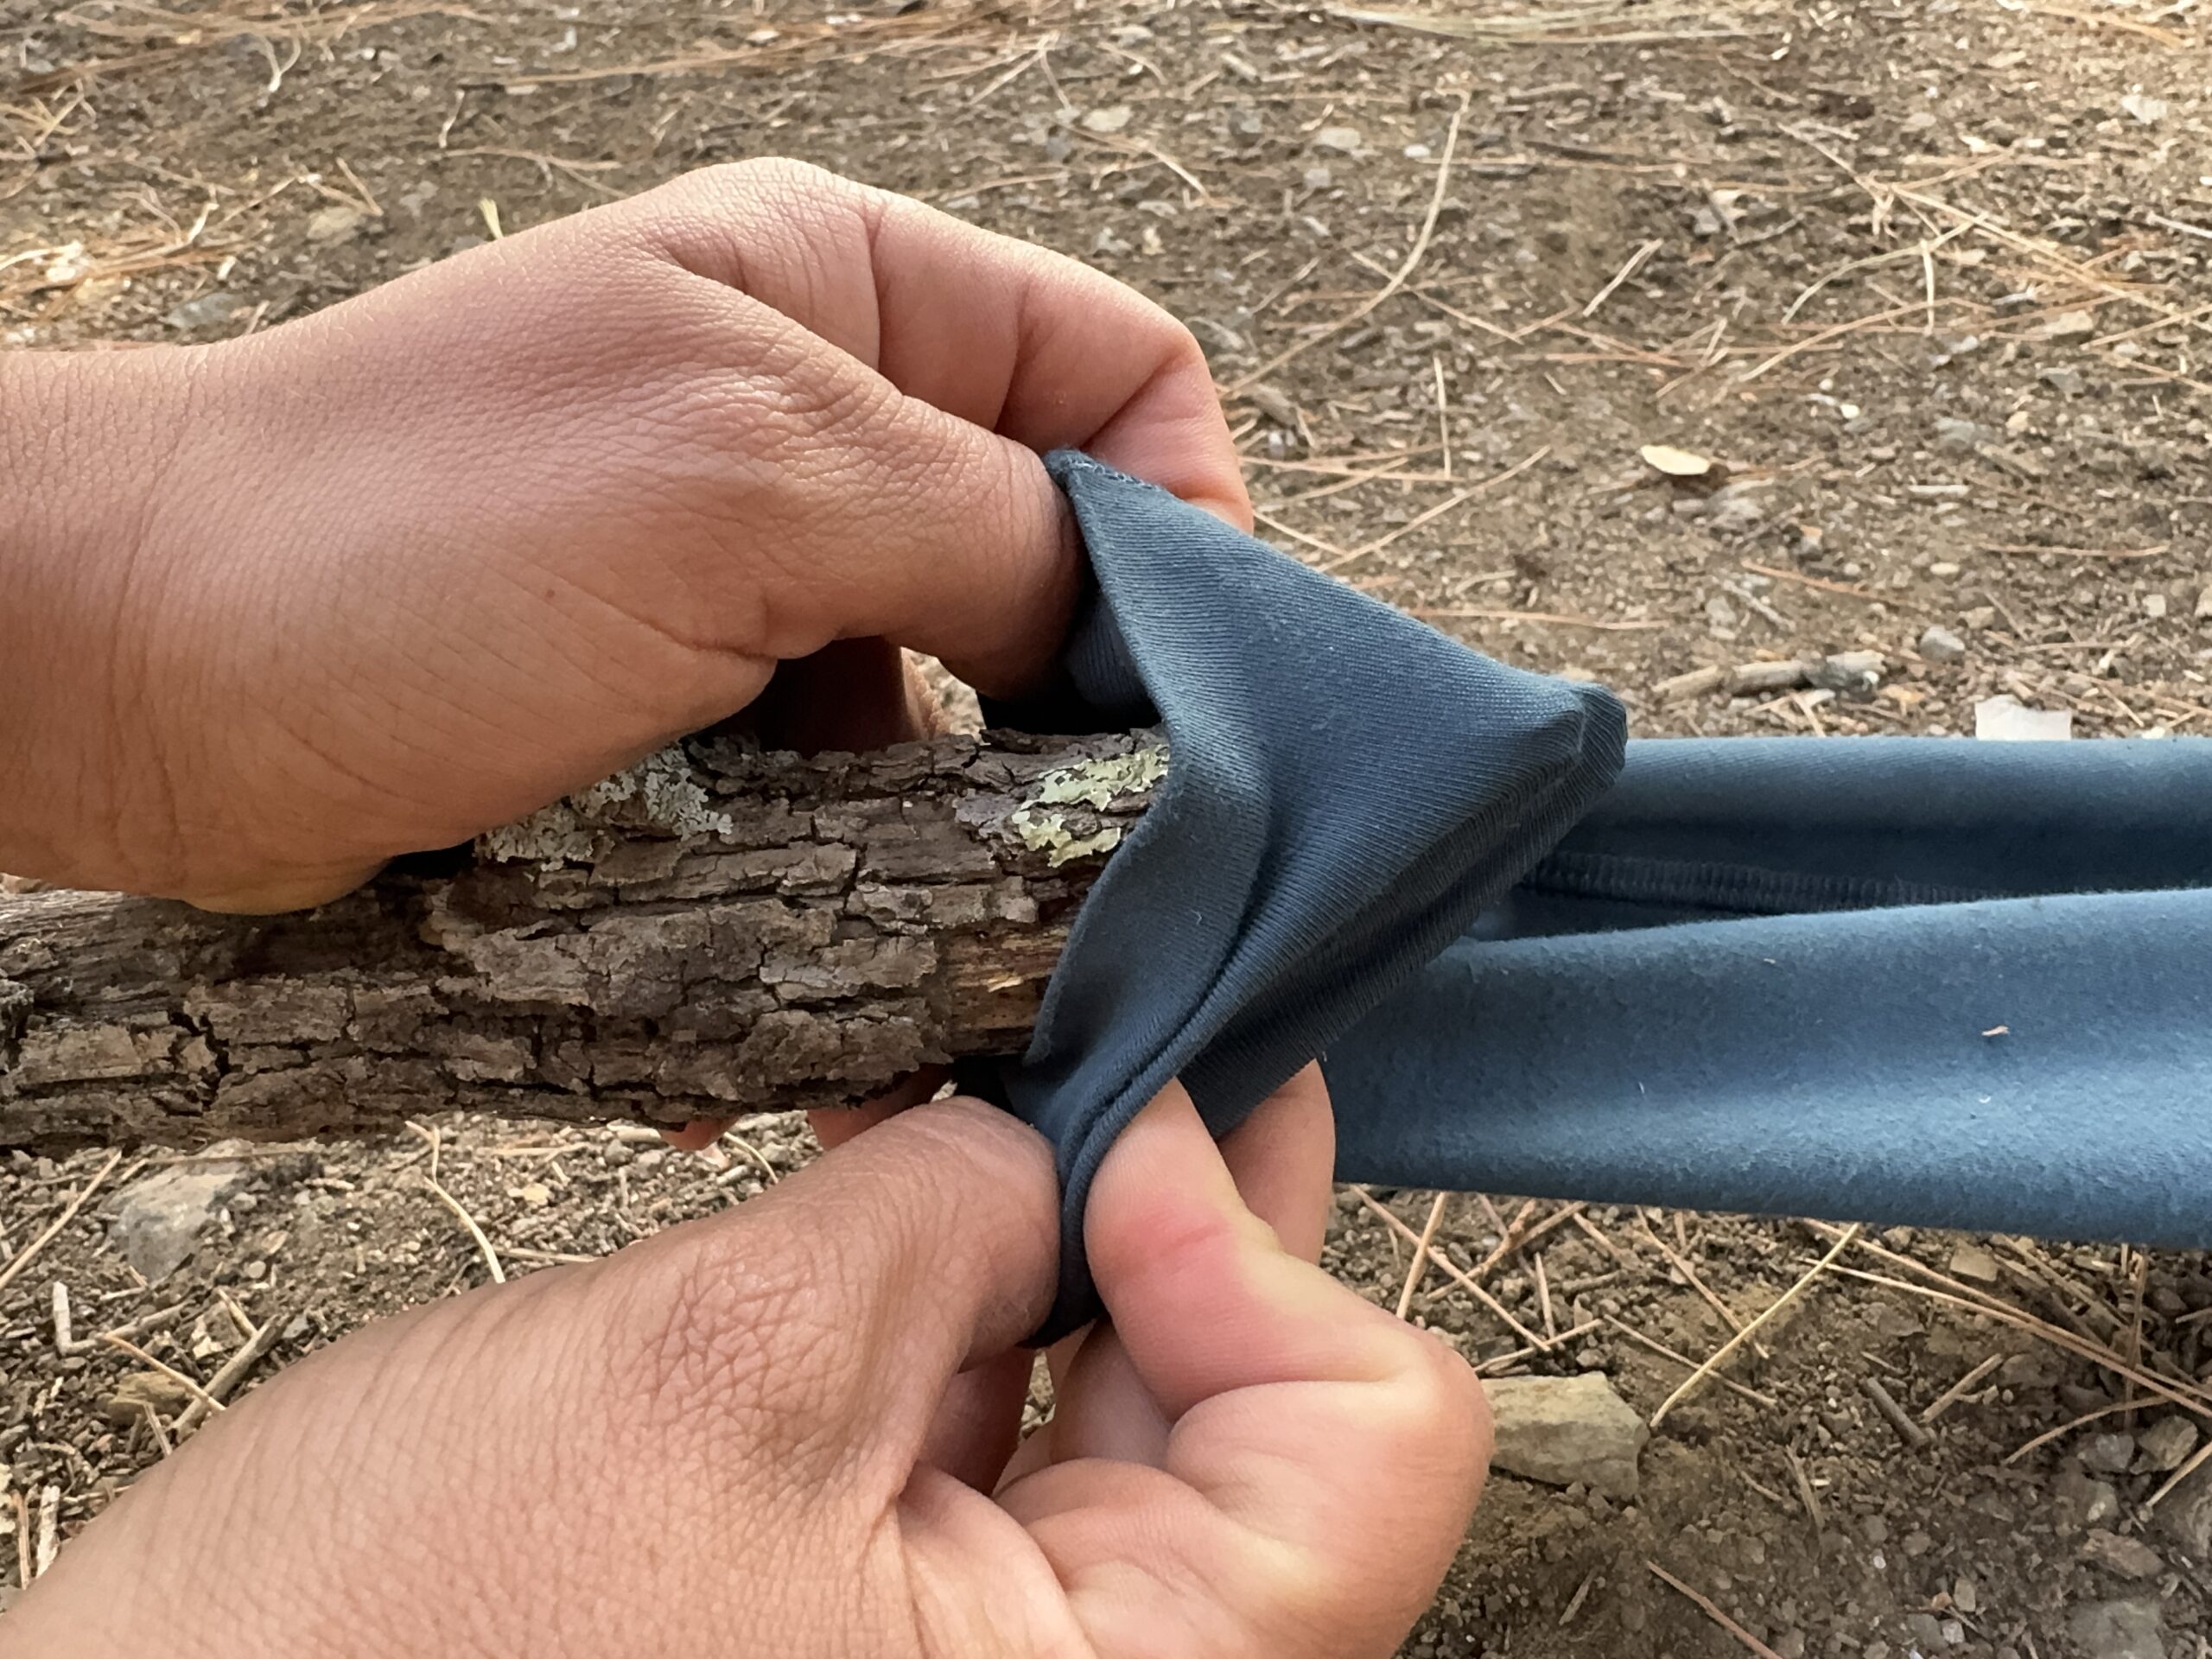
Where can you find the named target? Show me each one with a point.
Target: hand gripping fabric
(1346, 789)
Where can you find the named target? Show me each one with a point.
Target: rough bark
(716, 931)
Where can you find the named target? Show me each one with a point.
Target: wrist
(87, 440)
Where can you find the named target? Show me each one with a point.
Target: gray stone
(2129, 1557)
(2066, 382)
(1969, 1261)
(207, 310)
(1734, 512)
(2117, 1630)
(2032, 1368)
(1926, 1632)
(2085, 1502)
(2109, 1454)
(158, 1220)
(1852, 673)
(2070, 325)
(1273, 404)
(2184, 1517)
(2165, 1445)
(1562, 1430)
(336, 223)
(1939, 645)
(1343, 140)
(1952, 433)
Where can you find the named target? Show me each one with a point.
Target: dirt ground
(1924, 289)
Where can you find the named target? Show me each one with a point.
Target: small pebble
(2166, 1444)
(334, 223)
(1939, 645)
(2109, 1454)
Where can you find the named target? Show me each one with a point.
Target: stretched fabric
(1897, 980)
(1925, 981)
(1314, 844)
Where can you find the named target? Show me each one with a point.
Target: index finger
(1023, 342)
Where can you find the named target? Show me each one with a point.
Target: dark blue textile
(1644, 1020)
(1314, 844)
(1928, 981)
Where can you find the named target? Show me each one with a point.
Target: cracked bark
(716, 931)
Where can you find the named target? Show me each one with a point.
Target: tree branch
(715, 932)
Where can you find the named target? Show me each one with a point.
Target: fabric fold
(1916, 980)
(1346, 789)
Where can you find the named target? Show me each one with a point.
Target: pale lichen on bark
(1096, 783)
(714, 931)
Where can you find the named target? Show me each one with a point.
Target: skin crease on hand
(786, 1430)
(375, 581)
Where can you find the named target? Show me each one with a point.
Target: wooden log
(716, 931)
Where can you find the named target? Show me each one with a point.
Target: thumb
(1323, 1460)
(872, 1277)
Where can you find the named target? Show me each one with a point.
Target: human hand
(380, 579)
(779, 1430)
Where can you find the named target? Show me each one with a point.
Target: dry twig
(1706, 1605)
(233, 1372)
(1720, 1354)
(1420, 1264)
(1397, 281)
(1541, 1344)
(483, 1244)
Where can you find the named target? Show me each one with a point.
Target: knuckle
(738, 189)
(783, 173)
(971, 1132)
(793, 417)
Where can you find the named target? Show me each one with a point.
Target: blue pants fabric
(1912, 980)
(1898, 979)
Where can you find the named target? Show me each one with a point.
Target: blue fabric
(2019, 1039)
(1927, 980)
(1312, 846)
